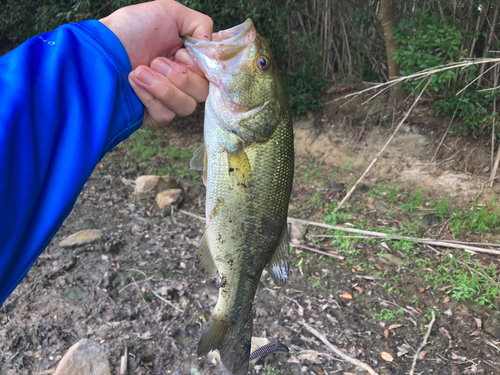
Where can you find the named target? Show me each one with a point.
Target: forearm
(65, 102)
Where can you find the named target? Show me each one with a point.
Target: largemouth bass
(247, 161)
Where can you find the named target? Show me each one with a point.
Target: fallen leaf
(293, 359)
(299, 251)
(386, 333)
(343, 262)
(421, 355)
(359, 289)
(295, 241)
(386, 357)
(346, 296)
(446, 299)
(143, 289)
(394, 326)
(476, 333)
(445, 332)
(420, 310)
(460, 358)
(378, 267)
(422, 290)
(182, 265)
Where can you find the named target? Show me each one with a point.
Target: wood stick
(340, 353)
(166, 301)
(424, 343)
(428, 241)
(316, 251)
(495, 167)
(123, 362)
(348, 195)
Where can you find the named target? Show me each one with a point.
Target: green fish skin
(247, 161)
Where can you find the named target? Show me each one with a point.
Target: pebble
(148, 185)
(492, 325)
(297, 230)
(86, 357)
(381, 206)
(169, 197)
(82, 237)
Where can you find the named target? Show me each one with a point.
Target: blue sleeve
(65, 101)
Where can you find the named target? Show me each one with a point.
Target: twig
(140, 292)
(167, 301)
(482, 186)
(316, 251)
(123, 362)
(192, 215)
(348, 195)
(140, 281)
(424, 342)
(395, 237)
(338, 352)
(495, 166)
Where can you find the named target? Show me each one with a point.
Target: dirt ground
(138, 287)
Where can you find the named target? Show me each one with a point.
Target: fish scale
(248, 162)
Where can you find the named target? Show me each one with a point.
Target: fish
(247, 160)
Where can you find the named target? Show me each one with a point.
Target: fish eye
(263, 63)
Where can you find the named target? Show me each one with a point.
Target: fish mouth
(224, 46)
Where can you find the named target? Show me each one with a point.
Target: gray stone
(388, 257)
(86, 357)
(81, 238)
(297, 230)
(169, 197)
(492, 325)
(381, 206)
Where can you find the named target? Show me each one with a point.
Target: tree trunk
(387, 19)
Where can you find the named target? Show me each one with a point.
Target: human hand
(164, 76)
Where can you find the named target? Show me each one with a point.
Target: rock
(297, 230)
(492, 325)
(169, 197)
(336, 185)
(388, 257)
(149, 185)
(82, 237)
(86, 357)
(381, 206)
(195, 371)
(431, 219)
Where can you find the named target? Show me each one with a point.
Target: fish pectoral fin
(240, 170)
(199, 161)
(279, 265)
(204, 260)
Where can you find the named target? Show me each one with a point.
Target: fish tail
(231, 338)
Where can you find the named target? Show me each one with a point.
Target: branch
(340, 353)
(424, 342)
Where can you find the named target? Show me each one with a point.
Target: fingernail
(145, 77)
(183, 57)
(162, 68)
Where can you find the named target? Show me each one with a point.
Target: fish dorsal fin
(240, 170)
(203, 259)
(279, 265)
(199, 161)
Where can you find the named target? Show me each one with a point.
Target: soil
(138, 287)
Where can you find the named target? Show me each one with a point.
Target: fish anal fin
(240, 170)
(204, 260)
(279, 265)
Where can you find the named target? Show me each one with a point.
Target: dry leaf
(346, 296)
(394, 326)
(386, 333)
(143, 289)
(446, 299)
(460, 358)
(359, 289)
(422, 290)
(475, 333)
(386, 357)
(293, 359)
(182, 265)
(445, 332)
(421, 355)
(420, 310)
(378, 267)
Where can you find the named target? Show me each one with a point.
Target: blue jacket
(65, 101)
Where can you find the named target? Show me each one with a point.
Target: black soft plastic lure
(269, 349)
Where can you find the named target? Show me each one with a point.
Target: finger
(191, 22)
(165, 92)
(183, 78)
(183, 57)
(156, 114)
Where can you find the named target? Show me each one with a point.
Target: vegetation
(317, 43)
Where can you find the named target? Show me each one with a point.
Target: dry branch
(340, 353)
(428, 241)
(424, 342)
(348, 195)
(316, 251)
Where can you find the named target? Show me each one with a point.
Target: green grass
(389, 316)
